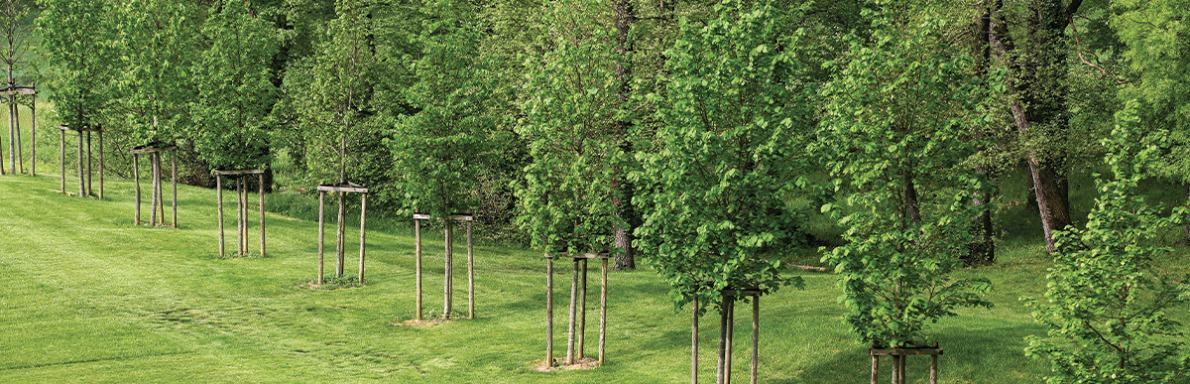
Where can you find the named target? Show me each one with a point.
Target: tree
(898, 120)
(568, 196)
(14, 34)
(1108, 295)
(78, 40)
(443, 150)
(235, 94)
(1158, 67)
(160, 46)
(714, 182)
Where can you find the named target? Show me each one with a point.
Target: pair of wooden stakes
(84, 158)
(339, 265)
(448, 259)
(239, 177)
(577, 326)
(726, 331)
(16, 160)
(157, 202)
(899, 355)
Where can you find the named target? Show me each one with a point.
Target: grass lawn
(87, 297)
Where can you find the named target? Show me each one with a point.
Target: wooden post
(549, 310)
(82, 179)
(447, 281)
(219, 197)
(363, 209)
(12, 147)
(153, 190)
(602, 308)
(160, 190)
(573, 313)
(902, 360)
(136, 181)
(470, 273)
(243, 216)
(339, 234)
(417, 262)
(582, 317)
(100, 133)
(33, 136)
(240, 216)
(173, 177)
(16, 118)
(896, 369)
(89, 161)
(719, 370)
(321, 237)
(875, 368)
(259, 180)
(730, 337)
(62, 157)
(934, 368)
(755, 337)
(694, 341)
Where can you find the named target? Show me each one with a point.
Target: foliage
(77, 40)
(734, 120)
(443, 150)
(159, 47)
(1107, 298)
(898, 118)
(570, 110)
(235, 94)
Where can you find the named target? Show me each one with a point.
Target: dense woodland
(701, 138)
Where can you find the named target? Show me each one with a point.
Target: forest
(905, 169)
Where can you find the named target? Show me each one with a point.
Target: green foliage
(235, 92)
(442, 152)
(895, 136)
(1107, 298)
(78, 40)
(160, 45)
(735, 119)
(570, 187)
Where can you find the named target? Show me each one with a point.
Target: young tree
(568, 197)
(1157, 55)
(1107, 295)
(336, 103)
(14, 34)
(79, 42)
(713, 184)
(898, 121)
(235, 94)
(443, 150)
(160, 48)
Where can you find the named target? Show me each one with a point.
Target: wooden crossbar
(86, 129)
(339, 188)
(455, 217)
(238, 172)
(140, 151)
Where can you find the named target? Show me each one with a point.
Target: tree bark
(625, 17)
(1031, 104)
(983, 246)
(911, 207)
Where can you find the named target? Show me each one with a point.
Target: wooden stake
(219, 198)
(363, 210)
(100, 133)
(719, 370)
(417, 262)
(934, 368)
(573, 314)
(173, 177)
(694, 342)
(89, 158)
(470, 274)
(243, 216)
(259, 180)
(901, 377)
(549, 310)
(160, 189)
(896, 369)
(447, 282)
(875, 369)
(82, 179)
(33, 136)
(755, 337)
(730, 337)
(602, 308)
(321, 237)
(16, 118)
(153, 190)
(582, 318)
(136, 181)
(62, 159)
(339, 234)
(240, 216)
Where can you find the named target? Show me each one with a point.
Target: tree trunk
(1186, 241)
(982, 249)
(1033, 104)
(340, 233)
(911, 207)
(625, 17)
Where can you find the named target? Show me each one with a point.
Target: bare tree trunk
(983, 246)
(912, 209)
(341, 233)
(625, 17)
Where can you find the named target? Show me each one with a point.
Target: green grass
(87, 297)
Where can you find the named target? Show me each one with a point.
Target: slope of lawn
(87, 297)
